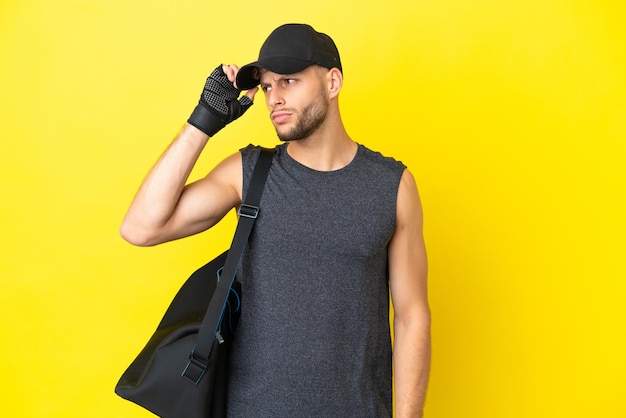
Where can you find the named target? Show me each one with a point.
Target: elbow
(419, 317)
(135, 235)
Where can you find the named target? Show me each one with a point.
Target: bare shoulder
(409, 206)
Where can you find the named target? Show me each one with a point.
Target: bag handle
(248, 212)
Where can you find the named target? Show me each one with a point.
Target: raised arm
(408, 276)
(165, 208)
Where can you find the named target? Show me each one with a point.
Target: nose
(274, 98)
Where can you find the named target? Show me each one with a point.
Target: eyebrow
(279, 77)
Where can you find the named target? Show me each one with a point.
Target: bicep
(205, 202)
(407, 253)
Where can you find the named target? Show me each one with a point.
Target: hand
(219, 104)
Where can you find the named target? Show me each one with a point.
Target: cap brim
(280, 65)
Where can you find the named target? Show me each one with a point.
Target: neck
(329, 148)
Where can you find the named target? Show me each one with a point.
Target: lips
(280, 117)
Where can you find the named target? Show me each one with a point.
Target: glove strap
(206, 120)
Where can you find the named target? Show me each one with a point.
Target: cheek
(266, 97)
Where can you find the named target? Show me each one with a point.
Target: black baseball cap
(290, 49)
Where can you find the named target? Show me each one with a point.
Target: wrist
(205, 120)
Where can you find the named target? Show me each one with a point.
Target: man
(339, 226)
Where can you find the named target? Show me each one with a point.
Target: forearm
(160, 191)
(411, 359)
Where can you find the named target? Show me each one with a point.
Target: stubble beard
(310, 118)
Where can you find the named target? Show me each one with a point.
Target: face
(298, 103)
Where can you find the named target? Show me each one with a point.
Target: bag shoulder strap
(248, 212)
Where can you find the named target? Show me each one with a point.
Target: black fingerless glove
(218, 104)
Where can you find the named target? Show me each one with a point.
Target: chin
(287, 136)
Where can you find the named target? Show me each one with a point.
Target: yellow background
(510, 114)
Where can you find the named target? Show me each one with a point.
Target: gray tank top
(313, 339)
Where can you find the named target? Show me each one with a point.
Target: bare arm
(165, 208)
(408, 277)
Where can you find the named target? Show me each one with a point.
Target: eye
(265, 89)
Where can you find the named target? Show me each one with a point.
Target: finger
(231, 72)
(245, 102)
(251, 93)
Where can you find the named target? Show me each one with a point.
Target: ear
(335, 82)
